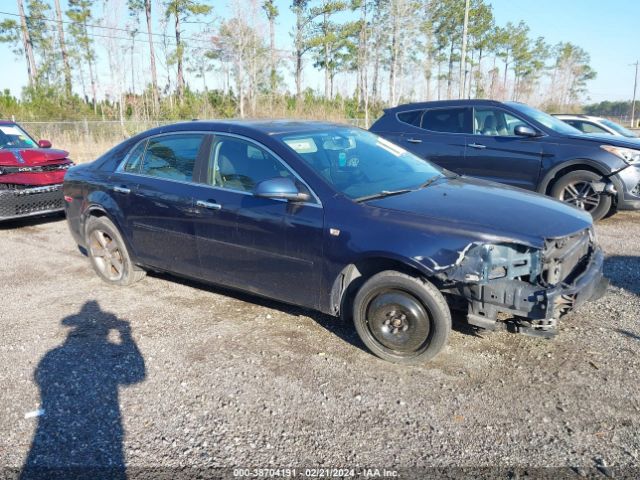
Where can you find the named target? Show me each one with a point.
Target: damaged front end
(532, 287)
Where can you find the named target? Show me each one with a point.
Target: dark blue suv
(335, 219)
(518, 145)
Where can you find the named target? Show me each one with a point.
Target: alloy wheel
(581, 195)
(107, 254)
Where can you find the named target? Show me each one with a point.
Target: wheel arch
(558, 171)
(98, 210)
(346, 284)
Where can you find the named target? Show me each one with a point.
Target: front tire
(400, 318)
(575, 189)
(108, 253)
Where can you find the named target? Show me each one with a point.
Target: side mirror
(525, 131)
(44, 143)
(280, 188)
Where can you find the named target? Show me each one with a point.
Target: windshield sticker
(390, 147)
(302, 145)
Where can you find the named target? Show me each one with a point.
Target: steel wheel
(581, 195)
(398, 321)
(107, 255)
(401, 318)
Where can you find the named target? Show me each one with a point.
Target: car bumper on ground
(25, 201)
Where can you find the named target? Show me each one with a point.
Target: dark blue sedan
(335, 219)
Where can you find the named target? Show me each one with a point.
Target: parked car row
(518, 145)
(353, 224)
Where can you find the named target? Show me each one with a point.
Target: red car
(31, 174)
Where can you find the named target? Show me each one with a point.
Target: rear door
(494, 152)
(437, 134)
(266, 246)
(162, 207)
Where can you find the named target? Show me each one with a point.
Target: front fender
(603, 169)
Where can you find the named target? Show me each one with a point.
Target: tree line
(369, 54)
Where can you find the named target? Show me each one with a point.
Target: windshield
(12, 136)
(618, 128)
(545, 119)
(360, 164)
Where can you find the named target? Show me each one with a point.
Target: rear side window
(447, 120)
(135, 158)
(172, 156)
(413, 117)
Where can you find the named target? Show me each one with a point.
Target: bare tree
(182, 10)
(63, 50)
(271, 12)
(27, 46)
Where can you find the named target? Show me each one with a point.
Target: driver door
(267, 246)
(494, 152)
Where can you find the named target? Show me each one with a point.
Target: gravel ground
(174, 374)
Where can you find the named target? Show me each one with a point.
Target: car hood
(616, 141)
(488, 211)
(31, 156)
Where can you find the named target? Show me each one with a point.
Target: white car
(596, 125)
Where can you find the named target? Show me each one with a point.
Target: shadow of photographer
(80, 432)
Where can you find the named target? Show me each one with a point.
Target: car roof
(267, 127)
(7, 122)
(443, 103)
(577, 115)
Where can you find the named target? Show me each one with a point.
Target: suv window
(495, 122)
(586, 127)
(414, 117)
(135, 158)
(172, 156)
(237, 164)
(447, 120)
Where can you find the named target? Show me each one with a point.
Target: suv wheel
(108, 253)
(401, 318)
(575, 188)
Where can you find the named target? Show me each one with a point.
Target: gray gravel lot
(172, 373)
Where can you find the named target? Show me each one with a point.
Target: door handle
(123, 190)
(209, 205)
(479, 146)
(414, 140)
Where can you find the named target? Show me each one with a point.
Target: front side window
(12, 136)
(358, 163)
(588, 127)
(172, 156)
(495, 122)
(447, 120)
(545, 119)
(240, 165)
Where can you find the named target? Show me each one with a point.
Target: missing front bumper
(535, 310)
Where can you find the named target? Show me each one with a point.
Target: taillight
(68, 199)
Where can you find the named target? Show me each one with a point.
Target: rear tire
(400, 318)
(575, 189)
(108, 253)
